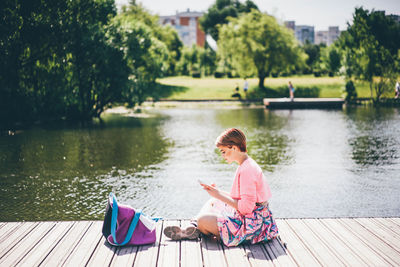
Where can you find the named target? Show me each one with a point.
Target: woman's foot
(176, 233)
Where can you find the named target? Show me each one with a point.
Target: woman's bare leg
(207, 224)
(208, 208)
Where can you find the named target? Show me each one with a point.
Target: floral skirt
(235, 228)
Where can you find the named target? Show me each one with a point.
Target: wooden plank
(18, 252)
(148, 255)
(8, 229)
(378, 245)
(190, 249)
(212, 251)
(169, 249)
(102, 255)
(322, 252)
(340, 248)
(39, 253)
(124, 256)
(83, 251)
(279, 254)
(16, 236)
(385, 235)
(236, 256)
(257, 255)
(64, 248)
(395, 220)
(296, 247)
(389, 224)
(369, 256)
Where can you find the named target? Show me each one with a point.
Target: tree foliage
(371, 50)
(72, 59)
(219, 13)
(329, 61)
(197, 60)
(255, 44)
(313, 52)
(56, 61)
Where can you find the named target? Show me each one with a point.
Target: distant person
(397, 90)
(241, 215)
(236, 93)
(291, 91)
(245, 86)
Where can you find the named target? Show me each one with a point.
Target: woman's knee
(207, 224)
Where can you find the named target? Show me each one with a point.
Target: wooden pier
(303, 103)
(310, 242)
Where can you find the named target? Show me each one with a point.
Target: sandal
(176, 233)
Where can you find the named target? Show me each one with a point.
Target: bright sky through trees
(320, 13)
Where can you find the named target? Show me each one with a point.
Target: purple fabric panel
(140, 236)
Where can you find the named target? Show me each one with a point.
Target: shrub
(196, 74)
(317, 73)
(283, 91)
(219, 74)
(350, 91)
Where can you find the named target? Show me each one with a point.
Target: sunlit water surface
(318, 163)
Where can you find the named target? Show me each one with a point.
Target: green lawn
(223, 88)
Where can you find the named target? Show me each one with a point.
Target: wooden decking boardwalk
(310, 242)
(303, 103)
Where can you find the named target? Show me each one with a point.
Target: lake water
(318, 163)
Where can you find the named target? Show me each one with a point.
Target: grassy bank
(212, 88)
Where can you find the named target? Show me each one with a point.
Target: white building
(304, 33)
(187, 26)
(301, 32)
(327, 37)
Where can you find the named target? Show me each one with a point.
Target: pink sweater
(249, 186)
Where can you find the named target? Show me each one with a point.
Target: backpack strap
(114, 216)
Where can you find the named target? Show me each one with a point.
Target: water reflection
(268, 143)
(51, 174)
(373, 141)
(318, 163)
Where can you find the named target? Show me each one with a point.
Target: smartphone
(203, 183)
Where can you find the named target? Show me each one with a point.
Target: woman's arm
(221, 195)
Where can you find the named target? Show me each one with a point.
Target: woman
(241, 215)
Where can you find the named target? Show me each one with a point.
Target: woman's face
(227, 153)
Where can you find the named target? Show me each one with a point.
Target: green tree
(330, 60)
(256, 44)
(144, 53)
(56, 60)
(219, 12)
(166, 34)
(371, 50)
(313, 52)
(98, 74)
(197, 60)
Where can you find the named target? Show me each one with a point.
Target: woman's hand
(212, 190)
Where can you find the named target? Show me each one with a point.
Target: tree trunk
(261, 79)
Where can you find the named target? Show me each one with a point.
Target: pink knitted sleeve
(248, 191)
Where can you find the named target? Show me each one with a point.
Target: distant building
(301, 32)
(304, 33)
(290, 24)
(327, 37)
(187, 26)
(321, 37)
